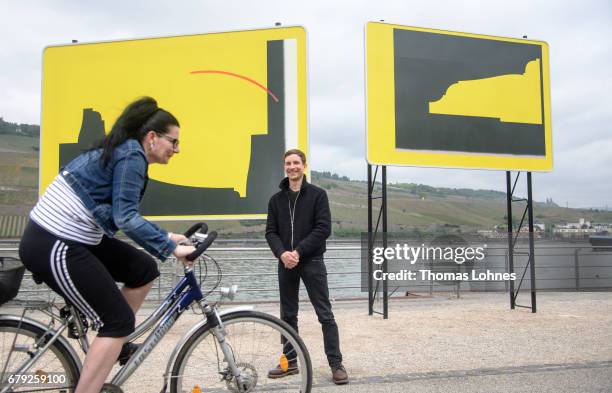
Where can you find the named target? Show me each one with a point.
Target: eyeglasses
(174, 141)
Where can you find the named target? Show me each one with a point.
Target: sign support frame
(512, 239)
(373, 291)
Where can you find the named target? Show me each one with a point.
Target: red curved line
(238, 76)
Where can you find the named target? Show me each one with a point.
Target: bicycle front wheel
(55, 370)
(258, 343)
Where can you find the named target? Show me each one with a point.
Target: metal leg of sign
(512, 239)
(510, 236)
(374, 289)
(385, 267)
(370, 245)
(531, 244)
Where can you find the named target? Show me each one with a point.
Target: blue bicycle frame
(184, 294)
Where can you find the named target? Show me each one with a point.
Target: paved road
(472, 344)
(442, 344)
(558, 378)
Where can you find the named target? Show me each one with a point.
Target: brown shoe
(278, 372)
(339, 375)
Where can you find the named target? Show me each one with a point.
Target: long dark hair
(137, 119)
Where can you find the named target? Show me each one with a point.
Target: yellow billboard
(240, 97)
(445, 99)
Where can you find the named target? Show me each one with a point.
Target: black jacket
(311, 226)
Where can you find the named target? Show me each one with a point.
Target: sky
(578, 34)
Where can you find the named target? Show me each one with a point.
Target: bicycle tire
(255, 340)
(56, 362)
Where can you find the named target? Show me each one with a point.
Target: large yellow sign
(240, 98)
(445, 99)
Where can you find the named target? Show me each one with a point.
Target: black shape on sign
(265, 167)
(426, 64)
(92, 131)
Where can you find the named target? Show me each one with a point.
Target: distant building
(602, 227)
(581, 228)
(501, 231)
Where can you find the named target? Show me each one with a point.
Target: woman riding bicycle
(69, 242)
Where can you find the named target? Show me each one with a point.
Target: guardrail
(254, 269)
(12, 226)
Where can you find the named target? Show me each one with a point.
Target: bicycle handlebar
(202, 246)
(201, 226)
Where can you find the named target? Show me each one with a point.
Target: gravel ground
(475, 343)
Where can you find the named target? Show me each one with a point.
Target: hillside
(428, 209)
(412, 207)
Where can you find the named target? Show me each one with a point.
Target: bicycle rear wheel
(255, 341)
(55, 370)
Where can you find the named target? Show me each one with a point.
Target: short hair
(297, 152)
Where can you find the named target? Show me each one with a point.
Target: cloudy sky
(578, 34)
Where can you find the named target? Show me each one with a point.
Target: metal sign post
(513, 238)
(375, 290)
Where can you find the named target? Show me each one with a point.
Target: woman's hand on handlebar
(180, 252)
(178, 238)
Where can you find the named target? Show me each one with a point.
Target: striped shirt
(61, 212)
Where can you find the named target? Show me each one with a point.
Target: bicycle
(229, 350)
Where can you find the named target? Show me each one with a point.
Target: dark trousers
(314, 275)
(85, 275)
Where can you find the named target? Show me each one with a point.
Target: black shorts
(86, 275)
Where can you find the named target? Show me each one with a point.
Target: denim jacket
(113, 193)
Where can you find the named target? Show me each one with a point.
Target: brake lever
(205, 241)
(200, 237)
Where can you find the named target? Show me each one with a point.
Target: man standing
(298, 224)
